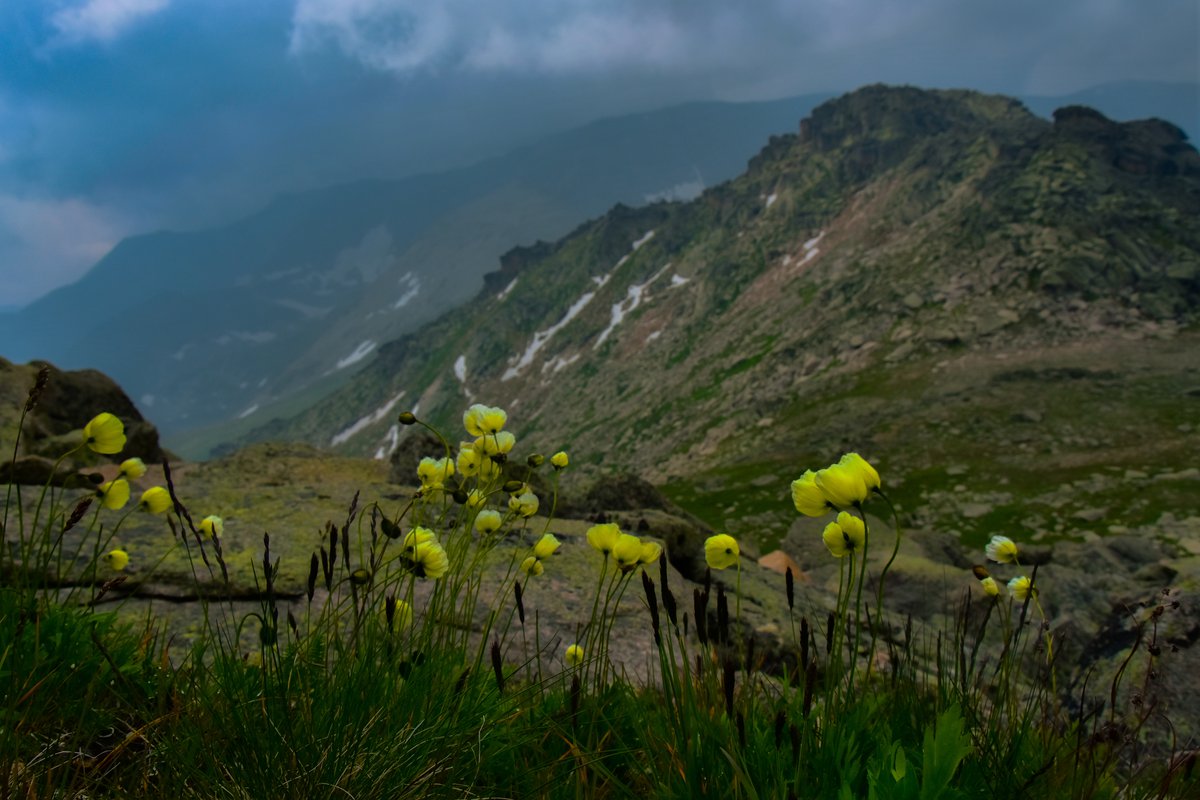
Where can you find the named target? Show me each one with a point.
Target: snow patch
(248, 411)
(460, 368)
(772, 198)
(390, 440)
(369, 419)
(651, 337)
(678, 280)
(559, 363)
(541, 337)
(810, 248)
(632, 300)
(412, 285)
(645, 238)
(507, 290)
(787, 259)
(360, 352)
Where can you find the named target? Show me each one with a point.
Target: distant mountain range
(216, 331)
(940, 277)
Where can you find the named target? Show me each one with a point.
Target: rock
(1027, 415)
(779, 561)
(1089, 514)
(913, 300)
(414, 444)
(974, 510)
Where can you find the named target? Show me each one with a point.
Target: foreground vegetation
(402, 679)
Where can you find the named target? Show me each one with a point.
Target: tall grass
(411, 673)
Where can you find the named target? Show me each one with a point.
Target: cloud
(47, 243)
(101, 20)
(538, 36)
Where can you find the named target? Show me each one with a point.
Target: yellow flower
(114, 494)
(468, 460)
(104, 434)
(604, 537)
(990, 587)
(430, 560)
(856, 463)
(495, 444)
(417, 536)
(524, 504)
(480, 420)
(132, 468)
(488, 522)
(116, 559)
(433, 472)
(1020, 587)
(211, 526)
(532, 567)
(574, 655)
(1002, 550)
(476, 499)
(156, 500)
(721, 551)
(846, 536)
(402, 613)
(649, 553)
(626, 550)
(546, 546)
(807, 496)
(559, 460)
(842, 486)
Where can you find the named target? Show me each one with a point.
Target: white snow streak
(248, 411)
(678, 280)
(363, 422)
(651, 337)
(541, 337)
(360, 352)
(414, 286)
(390, 440)
(645, 238)
(507, 290)
(460, 368)
(771, 199)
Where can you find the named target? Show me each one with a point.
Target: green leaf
(945, 747)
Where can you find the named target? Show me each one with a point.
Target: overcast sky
(124, 116)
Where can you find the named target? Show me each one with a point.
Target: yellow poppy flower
(114, 494)
(990, 587)
(211, 526)
(604, 537)
(525, 504)
(480, 420)
(546, 546)
(626, 550)
(402, 613)
(649, 553)
(1002, 550)
(560, 460)
(476, 499)
(857, 464)
(495, 444)
(116, 559)
(532, 567)
(132, 468)
(574, 655)
(721, 551)
(433, 472)
(430, 560)
(1020, 587)
(846, 536)
(156, 500)
(808, 497)
(488, 522)
(105, 434)
(417, 536)
(842, 486)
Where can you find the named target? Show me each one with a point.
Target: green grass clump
(414, 666)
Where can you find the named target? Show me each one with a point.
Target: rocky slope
(990, 305)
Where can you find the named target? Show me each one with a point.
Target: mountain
(989, 304)
(202, 327)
